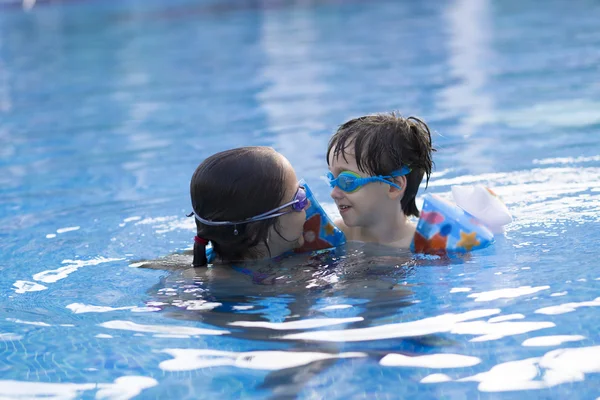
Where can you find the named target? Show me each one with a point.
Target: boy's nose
(337, 193)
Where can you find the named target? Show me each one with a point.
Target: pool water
(106, 108)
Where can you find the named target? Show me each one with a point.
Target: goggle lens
(346, 181)
(300, 200)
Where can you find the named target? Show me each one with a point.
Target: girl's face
(288, 232)
(361, 208)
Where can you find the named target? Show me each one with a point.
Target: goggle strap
(235, 223)
(270, 212)
(260, 217)
(388, 181)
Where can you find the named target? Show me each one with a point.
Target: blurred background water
(107, 107)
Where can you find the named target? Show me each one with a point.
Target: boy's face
(363, 207)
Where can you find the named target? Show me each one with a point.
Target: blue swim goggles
(350, 182)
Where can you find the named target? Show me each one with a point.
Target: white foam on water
(67, 229)
(103, 336)
(161, 329)
(542, 196)
(27, 286)
(567, 307)
(190, 359)
(460, 290)
(493, 331)
(436, 378)
(145, 309)
(335, 307)
(8, 336)
(123, 388)
(196, 305)
(20, 321)
(155, 303)
(242, 307)
(556, 340)
(560, 309)
(508, 376)
(508, 293)
(293, 325)
(10, 389)
(131, 219)
(566, 160)
(427, 326)
(79, 308)
(508, 317)
(555, 367)
(582, 359)
(557, 294)
(53, 275)
(442, 360)
(170, 336)
(439, 174)
(168, 224)
(50, 235)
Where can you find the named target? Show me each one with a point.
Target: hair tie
(199, 240)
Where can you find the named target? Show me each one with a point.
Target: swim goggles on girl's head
(350, 181)
(298, 204)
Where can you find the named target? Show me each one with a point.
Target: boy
(376, 164)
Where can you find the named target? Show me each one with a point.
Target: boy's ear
(393, 192)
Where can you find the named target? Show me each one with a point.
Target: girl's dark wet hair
(232, 186)
(384, 143)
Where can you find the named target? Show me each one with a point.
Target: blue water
(106, 108)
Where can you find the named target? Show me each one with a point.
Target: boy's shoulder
(351, 233)
(339, 222)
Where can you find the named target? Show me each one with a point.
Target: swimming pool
(106, 108)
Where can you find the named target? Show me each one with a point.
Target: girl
(248, 203)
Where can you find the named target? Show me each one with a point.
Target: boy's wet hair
(234, 185)
(383, 143)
